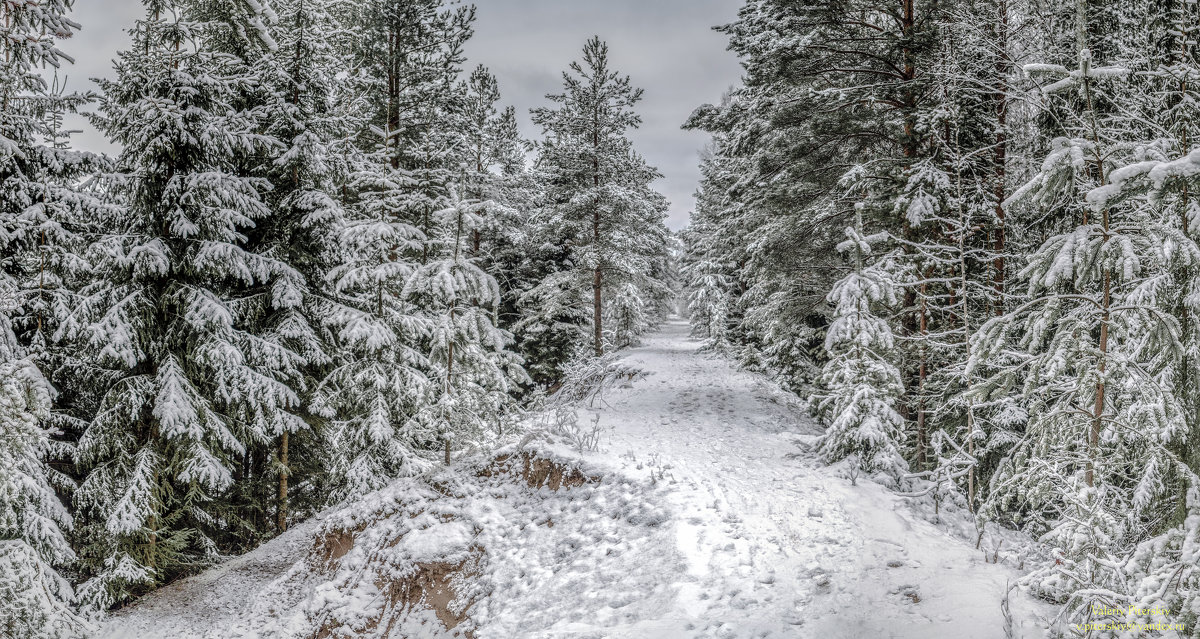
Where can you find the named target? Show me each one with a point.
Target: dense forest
(968, 231)
(323, 259)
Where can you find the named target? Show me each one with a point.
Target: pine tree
(599, 187)
(374, 390)
(299, 87)
(401, 99)
(1099, 353)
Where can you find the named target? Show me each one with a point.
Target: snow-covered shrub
(589, 378)
(562, 422)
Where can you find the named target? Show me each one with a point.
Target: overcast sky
(668, 47)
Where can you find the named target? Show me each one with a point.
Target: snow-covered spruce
(36, 601)
(860, 384)
(41, 219)
(186, 384)
(473, 376)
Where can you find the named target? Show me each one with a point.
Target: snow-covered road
(711, 520)
(778, 545)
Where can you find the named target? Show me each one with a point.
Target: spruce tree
(41, 219)
(473, 375)
(399, 172)
(187, 385)
(860, 383)
(36, 601)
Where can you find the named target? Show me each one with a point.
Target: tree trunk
(476, 236)
(999, 274)
(597, 303)
(909, 147)
(597, 273)
(922, 373)
(284, 471)
(1098, 409)
(908, 22)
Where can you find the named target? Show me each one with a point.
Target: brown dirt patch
(432, 586)
(334, 546)
(538, 471)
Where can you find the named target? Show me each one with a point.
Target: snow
(209, 603)
(712, 518)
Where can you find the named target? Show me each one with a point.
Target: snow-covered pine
(402, 99)
(187, 386)
(860, 384)
(479, 117)
(31, 161)
(494, 173)
(552, 305)
(709, 243)
(599, 189)
(629, 316)
(708, 301)
(1099, 350)
(544, 303)
(43, 216)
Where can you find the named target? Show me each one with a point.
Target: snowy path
(777, 545)
(711, 521)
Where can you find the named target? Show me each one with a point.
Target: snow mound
(525, 544)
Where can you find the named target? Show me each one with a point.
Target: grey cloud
(666, 46)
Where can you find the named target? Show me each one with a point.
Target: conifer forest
(308, 330)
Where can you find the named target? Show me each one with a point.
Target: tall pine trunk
(597, 273)
(999, 239)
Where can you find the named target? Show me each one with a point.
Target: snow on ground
(777, 544)
(211, 602)
(710, 520)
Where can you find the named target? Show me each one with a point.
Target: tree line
(323, 258)
(969, 231)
